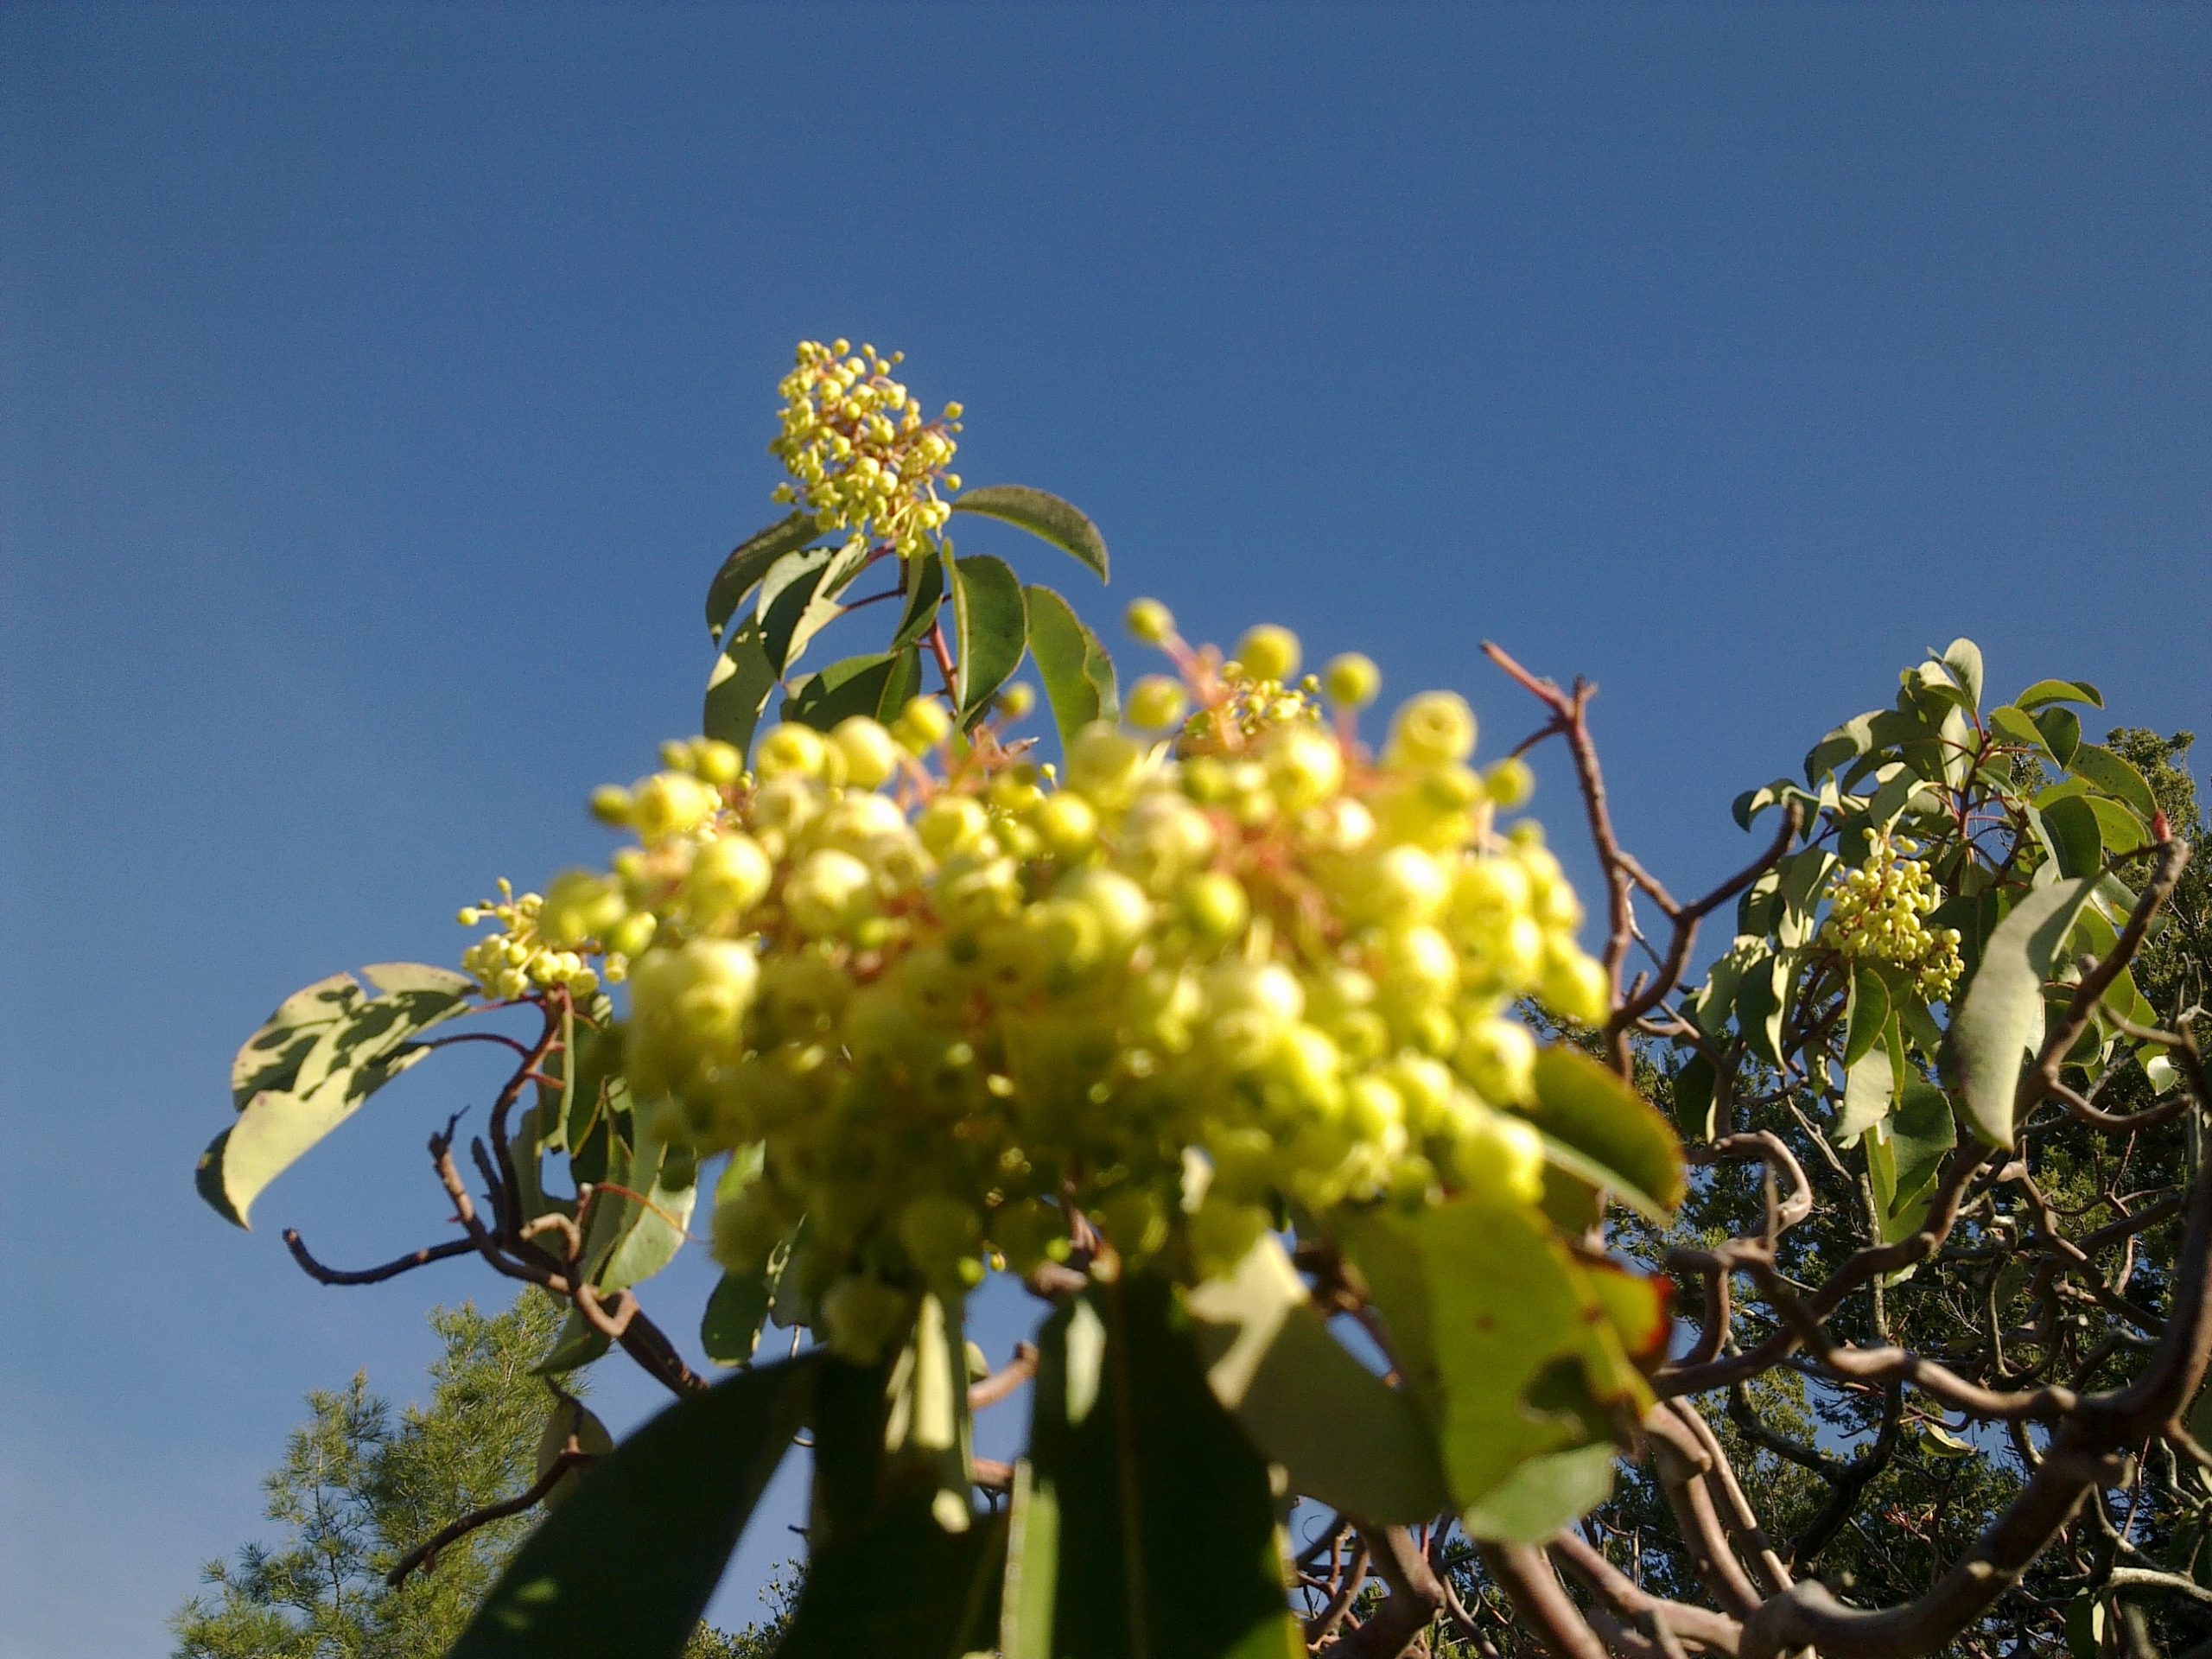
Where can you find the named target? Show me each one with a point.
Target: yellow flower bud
(1352, 681)
(1268, 652)
(1157, 702)
(1433, 729)
(1151, 622)
(870, 753)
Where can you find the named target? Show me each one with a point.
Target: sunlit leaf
(1078, 673)
(749, 562)
(2000, 1020)
(991, 625)
(1583, 1104)
(1044, 516)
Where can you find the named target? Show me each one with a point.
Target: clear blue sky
(379, 386)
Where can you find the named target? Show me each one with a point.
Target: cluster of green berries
(518, 961)
(1184, 987)
(1878, 912)
(860, 456)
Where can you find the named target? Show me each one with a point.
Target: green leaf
(646, 1235)
(1544, 1494)
(1582, 1103)
(627, 1563)
(924, 581)
(1869, 1092)
(2114, 776)
(271, 1057)
(1865, 1015)
(877, 686)
(577, 1343)
(1848, 741)
(1346, 1437)
(1761, 998)
(991, 625)
(1078, 673)
(2048, 691)
(738, 689)
(729, 1330)
(1696, 1088)
(2014, 726)
(1144, 1521)
(365, 1044)
(799, 599)
(569, 1416)
(1963, 662)
(749, 562)
(1045, 517)
(1921, 1134)
(2085, 1627)
(903, 1585)
(2000, 1020)
(2076, 840)
(2061, 733)
(1513, 1324)
(2121, 831)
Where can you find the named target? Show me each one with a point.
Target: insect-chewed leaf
(2001, 1018)
(1044, 516)
(627, 1563)
(325, 1052)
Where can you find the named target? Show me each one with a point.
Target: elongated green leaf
(370, 1041)
(1848, 741)
(1869, 1093)
(1511, 1321)
(1144, 1524)
(1761, 1003)
(1582, 1104)
(991, 625)
(2121, 831)
(738, 689)
(2048, 691)
(2076, 840)
(1962, 661)
(1867, 1014)
(1544, 1494)
(1347, 1438)
(1696, 1088)
(648, 1235)
(2114, 775)
(2061, 733)
(925, 576)
(2013, 725)
(903, 1585)
(1045, 517)
(2000, 1020)
(1922, 1132)
(799, 599)
(877, 686)
(577, 1343)
(747, 563)
(271, 1057)
(1078, 673)
(627, 1564)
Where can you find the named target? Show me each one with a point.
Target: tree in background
(1260, 1046)
(362, 1487)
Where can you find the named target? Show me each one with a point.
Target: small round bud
(792, 751)
(469, 916)
(1157, 702)
(1151, 622)
(870, 753)
(1433, 729)
(1575, 988)
(1214, 905)
(922, 725)
(729, 876)
(1268, 652)
(1016, 701)
(610, 804)
(828, 893)
(1351, 680)
(1511, 783)
(1067, 824)
(1103, 762)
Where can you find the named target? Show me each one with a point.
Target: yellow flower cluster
(516, 960)
(1878, 913)
(958, 996)
(860, 456)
